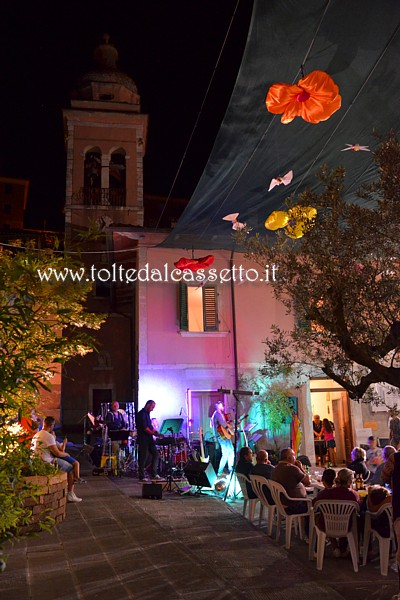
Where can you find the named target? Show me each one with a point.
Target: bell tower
(105, 138)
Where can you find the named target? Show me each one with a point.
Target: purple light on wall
(189, 404)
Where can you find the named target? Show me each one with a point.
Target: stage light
(220, 485)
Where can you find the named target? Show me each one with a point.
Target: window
(92, 169)
(198, 308)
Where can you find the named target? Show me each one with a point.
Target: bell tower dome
(105, 138)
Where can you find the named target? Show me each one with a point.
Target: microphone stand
(169, 478)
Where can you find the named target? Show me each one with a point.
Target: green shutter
(210, 313)
(183, 306)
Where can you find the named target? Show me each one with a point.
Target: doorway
(329, 400)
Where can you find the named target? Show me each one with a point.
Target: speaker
(200, 473)
(152, 490)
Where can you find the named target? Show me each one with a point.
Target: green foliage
(42, 324)
(272, 404)
(340, 281)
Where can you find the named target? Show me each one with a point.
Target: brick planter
(52, 495)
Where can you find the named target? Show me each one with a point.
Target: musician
(116, 418)
(145, 440)
(223, 435)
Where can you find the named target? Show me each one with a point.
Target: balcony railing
(100, 197)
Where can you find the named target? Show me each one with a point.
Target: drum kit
(174, 455)
(116, 452)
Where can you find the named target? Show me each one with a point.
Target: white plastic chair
(243, 479)
(337, 515)
(258, 482)
(279, 496)
(384, 542)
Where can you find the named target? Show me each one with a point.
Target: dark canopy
(357, 43)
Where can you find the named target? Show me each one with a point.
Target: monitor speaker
(200, 473)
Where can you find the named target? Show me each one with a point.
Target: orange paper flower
(315, 98)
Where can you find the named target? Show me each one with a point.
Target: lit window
(198, 308)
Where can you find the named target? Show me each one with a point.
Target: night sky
(169, 48)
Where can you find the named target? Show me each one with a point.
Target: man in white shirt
(45, 446)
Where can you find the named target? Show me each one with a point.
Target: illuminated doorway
(329, 400)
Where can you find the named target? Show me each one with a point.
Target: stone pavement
(115, 545)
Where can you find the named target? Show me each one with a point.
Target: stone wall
(51, 501)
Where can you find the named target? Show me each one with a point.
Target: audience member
(391, 476)
(264, 468)
(379, 496)
(374, 454)
(358, 456)
(245, 467)
(290, 473)
(376, 478)
(341, 491)
(328, 478)
(70, 459)
(44, 444)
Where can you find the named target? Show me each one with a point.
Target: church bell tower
(105, 137)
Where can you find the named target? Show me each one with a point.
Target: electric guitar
(202, 455)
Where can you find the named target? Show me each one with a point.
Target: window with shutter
(210, 317)
(183, 307)
(197, 308)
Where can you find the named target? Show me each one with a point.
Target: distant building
(13, 199)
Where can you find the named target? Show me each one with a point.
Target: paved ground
(115, 545)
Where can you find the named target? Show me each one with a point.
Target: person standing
(317, 427)
(145, 440)
(394, 430)
(329, 437)
(223, 436)
(116, 418)
(319, 444)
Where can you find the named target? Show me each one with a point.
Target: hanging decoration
(194, 264)
(356, 148)
(286, 179)
(277, 220)
(296, 433)
(315, 98)
(294, 220)
(235, 223)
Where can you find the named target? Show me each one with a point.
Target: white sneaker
(156, 477)
(72, 497)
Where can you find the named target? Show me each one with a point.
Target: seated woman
(358, 456)
(341, 491)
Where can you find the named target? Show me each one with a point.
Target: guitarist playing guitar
(223, 434)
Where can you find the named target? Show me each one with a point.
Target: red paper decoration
(194, 264)
(315, 98)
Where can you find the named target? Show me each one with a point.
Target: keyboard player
(145, 440)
